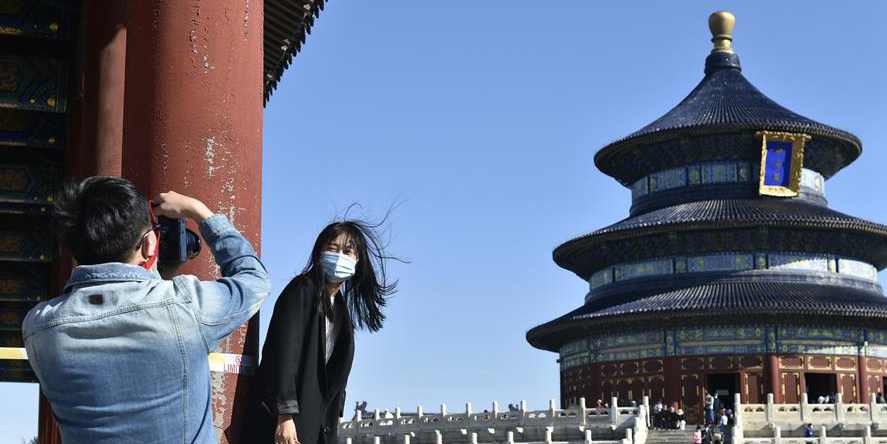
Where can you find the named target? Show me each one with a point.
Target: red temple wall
(682, 379)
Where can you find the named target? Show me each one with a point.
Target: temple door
(791, 388)
(848, 387)
(754, 388)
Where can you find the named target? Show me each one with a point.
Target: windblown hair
(366, 292)
(100, 219)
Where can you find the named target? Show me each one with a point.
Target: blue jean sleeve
(224, 304)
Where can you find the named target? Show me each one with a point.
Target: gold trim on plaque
(798, 141)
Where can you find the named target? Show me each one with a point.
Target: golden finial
(721, 25)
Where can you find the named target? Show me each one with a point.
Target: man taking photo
(121, 355)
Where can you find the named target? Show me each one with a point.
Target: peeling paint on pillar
(193, 124)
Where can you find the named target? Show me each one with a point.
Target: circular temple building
(731, 274)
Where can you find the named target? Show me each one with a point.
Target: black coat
(293, 377)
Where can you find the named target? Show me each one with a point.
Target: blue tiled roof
(757, 299)
(725, 102)
(724, 99)
(723, 214)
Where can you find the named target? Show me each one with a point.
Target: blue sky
(481, 119)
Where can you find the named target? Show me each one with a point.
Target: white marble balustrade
(553, 425)
(847, 423)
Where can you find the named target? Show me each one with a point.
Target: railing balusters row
(578, 418)
(838, 416)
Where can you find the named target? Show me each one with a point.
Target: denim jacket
(122, 354)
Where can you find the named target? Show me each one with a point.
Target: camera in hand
(178, 244)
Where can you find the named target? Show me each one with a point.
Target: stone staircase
(671, 436)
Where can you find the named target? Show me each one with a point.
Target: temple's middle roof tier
(726, 225)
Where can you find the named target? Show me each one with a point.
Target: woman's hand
(286, 431)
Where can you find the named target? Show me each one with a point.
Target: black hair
(366, 292)
(100, 219)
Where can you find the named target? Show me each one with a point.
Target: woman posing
(306, 360)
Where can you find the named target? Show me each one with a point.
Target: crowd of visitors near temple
(671, 417)
(715, 429)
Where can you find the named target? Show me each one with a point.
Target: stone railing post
(548, 433)
(509, 437)
(822, 435)
(614, 411)
(406, 438)
(770, 410)
(443, 411)
(737, 409)
(840, 412)
(358, 416)
(397, 412)
(867, 436)
(552, 408)
(647, 405)
(629, 435)
(873, 408)
(377, 440)
(419, 412)
(737, 423)
(583, 413)
(641, 420)
(467, 409)
(805, 413)
(523, 408)
(738, 434)
(777, 435)
(495, 409)
(587, 436)
(376, 415)
(473, 438)
(348, 440)
(438, 437)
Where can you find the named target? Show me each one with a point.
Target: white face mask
(338, 267)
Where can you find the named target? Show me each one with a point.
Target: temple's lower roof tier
(772, 301)
(726, 225)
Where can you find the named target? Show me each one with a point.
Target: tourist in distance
(808, 431)
(709, 408)
(306, 360)
(697, 435)
(121, 355)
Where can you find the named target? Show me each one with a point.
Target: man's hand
(286, 431)
(177, 206)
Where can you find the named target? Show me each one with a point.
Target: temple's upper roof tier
(724, 103)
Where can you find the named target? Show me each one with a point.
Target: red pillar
(193, 124)
(102, 80)
(47, 430)
(672, 373)
(773, 377)
(96, 125)
(862, 377)
(596, 392)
